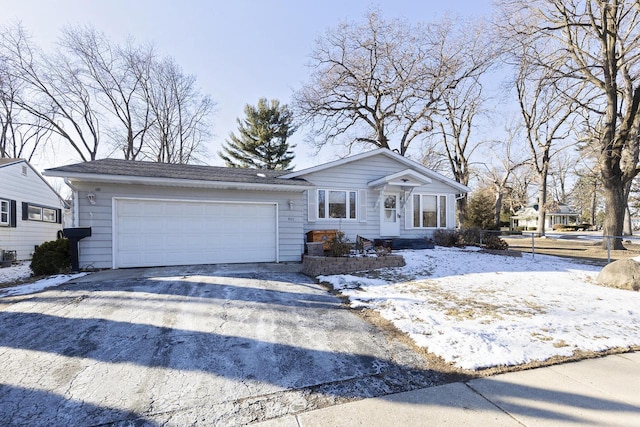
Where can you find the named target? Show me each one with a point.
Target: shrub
(446, 238)
(470, 236)
(495, 242)
(52, 257)
(339, 245)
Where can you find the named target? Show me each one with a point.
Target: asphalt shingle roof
(8, 161)
(134, 168)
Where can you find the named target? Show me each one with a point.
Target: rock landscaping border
(320, 265)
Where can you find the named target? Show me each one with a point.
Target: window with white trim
(41, 213)
(429, 211)
(337, 204)
(4, 212)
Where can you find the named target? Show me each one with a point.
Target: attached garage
(152, 232)
(148, 214)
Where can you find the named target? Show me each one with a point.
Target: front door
(389, 217)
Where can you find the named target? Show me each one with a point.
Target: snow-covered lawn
(478, 310)
(22, 271)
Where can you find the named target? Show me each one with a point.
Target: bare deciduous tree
(452, 138)
(52, 91)
(595, 43)
(147, 106)
(560, 173)
(380, 81)
(547, 123)
(500, 175)
(116, 75)
(180, 115)
(19, 136)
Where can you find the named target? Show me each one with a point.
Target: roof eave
(175, 182)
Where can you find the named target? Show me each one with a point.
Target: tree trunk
(498, 208)
(615, 205)
(627, 230)
(462, 210)
(594, 203)
(542, 200)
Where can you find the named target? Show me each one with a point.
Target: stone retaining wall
(320, 265)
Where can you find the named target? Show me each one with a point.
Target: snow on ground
(19, 271)
(478, 310)
(23, 271)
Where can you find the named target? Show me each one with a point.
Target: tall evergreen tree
(262, 141)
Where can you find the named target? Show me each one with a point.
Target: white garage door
(165, 232)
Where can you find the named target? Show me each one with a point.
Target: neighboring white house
(30, 209)
(527, 217)
(154, 214)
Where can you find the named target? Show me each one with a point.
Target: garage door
(166, 232)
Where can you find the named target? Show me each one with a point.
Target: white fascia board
(173, 182)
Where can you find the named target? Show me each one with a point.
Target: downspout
(76, 201)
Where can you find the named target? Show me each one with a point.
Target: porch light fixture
(290, 203)
(92, 198)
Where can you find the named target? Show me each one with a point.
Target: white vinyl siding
(19, 234)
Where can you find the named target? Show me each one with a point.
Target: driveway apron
(190, 346)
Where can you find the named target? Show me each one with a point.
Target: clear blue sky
(240, 50)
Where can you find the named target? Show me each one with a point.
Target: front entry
(389, 215)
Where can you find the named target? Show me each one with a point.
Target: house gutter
(225, 185)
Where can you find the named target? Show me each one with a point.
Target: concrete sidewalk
(604, 391)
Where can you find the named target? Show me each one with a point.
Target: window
(35, 213)
(429, 211)
(40, 213)
(4, 213)
(336, 204)
(49, 215)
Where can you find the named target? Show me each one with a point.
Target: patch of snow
(30, 288)
(15, 272)
(480, 310)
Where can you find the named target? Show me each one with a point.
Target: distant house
(527, 218)
(30, 209)
(153, 214)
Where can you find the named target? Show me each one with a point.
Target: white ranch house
(154, 214)
(527, 218)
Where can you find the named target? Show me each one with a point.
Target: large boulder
(621, 274)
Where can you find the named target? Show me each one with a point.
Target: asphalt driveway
(191, 345)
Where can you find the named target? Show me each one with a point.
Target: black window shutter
(59, 216)
(25, 211)
(12, 213)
